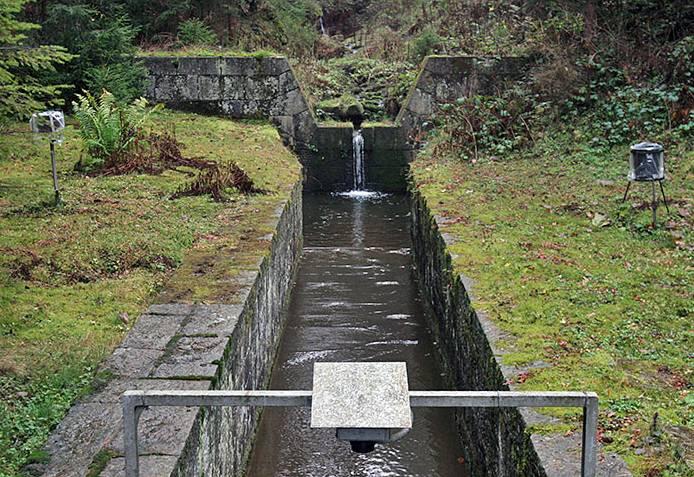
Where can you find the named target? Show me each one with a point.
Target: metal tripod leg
(654, 204)
(662, 191)
(626, 192)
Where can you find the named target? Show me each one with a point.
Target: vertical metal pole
(131, 414)
(589, 457)
(54, 167)
(654, 203)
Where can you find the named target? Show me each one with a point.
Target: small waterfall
(322, 27)
(358, 159)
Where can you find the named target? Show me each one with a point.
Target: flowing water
(355, 299)
(359, 160)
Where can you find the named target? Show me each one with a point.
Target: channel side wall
(496, 442)
(175, 346)
(222, 437)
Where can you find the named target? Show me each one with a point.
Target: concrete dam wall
(267, 88)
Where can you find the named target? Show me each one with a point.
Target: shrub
(488, 124)
(425, 44)
(195, 32)
(124, 80)
(108, 128)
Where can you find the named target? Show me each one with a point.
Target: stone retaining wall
(237, 87)
(266, 87)
(187, 347)
(496, 442)
(222, 438)
(443, 79)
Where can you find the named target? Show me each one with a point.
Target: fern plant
(109, 129)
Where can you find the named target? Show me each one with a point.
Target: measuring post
(50, 123)
(54, 168)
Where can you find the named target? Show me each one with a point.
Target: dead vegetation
(217, 180)
(156, 153)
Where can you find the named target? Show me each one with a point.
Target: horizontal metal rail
(134, 402)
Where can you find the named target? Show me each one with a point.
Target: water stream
(359, 160)
(355, 299)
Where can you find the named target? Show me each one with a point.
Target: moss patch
(203, 51)
(73, 279)
(580, 280)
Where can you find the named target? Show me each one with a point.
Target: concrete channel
(355, 299)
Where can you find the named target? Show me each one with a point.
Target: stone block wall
(238, 87)
(248, 87)
(494, 441)
(327, 160)
(387, 157)
(443, 79)
(222, 437)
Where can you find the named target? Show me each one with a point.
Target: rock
(345, 108)
(600, 220)
(124, 318)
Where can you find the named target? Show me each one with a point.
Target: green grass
(606, 302)
(70, 275)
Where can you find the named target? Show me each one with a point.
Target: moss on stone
(346, 107)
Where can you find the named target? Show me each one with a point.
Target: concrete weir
(235, 345)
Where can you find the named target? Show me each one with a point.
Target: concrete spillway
(355, 300)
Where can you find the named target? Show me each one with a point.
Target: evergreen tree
(21, 92)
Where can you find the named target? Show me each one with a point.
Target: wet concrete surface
(355, 300)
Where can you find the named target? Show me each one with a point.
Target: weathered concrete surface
(361, 395)
(186, 347)
(495, 441)
(246, 87)
(443, 79)
(238, 87)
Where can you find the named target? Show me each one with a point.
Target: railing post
(590, 431)
(132, 408)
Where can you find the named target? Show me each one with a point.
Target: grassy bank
(73, 279)
(591, 296)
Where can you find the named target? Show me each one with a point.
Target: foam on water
(361, 194)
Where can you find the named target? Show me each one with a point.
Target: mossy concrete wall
(248, 87)
(387, 157)
(494, 440)
(176, 346)
(237, 87)
(222, 438)
(443, 79)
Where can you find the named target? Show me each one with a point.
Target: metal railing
(134, 402)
